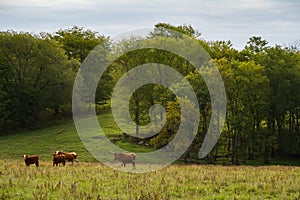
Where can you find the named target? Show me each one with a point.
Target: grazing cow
(31, 160)
(125, 158)
(70, 156)
(57, 159)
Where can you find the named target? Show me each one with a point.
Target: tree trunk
(137, 117)
(216, 152)
(297, 123)
(266, 154)
(234, 147)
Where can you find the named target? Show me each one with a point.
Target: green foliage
(163, 29)
(262, 85)
(77, 42)
(35, 78)
(222, 49)
(256, 44)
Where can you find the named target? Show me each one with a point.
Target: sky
(276, 21)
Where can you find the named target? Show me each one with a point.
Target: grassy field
(94, 181)
(89, 179)
(61, 137)
(64, 137)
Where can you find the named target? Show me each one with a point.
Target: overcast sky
(276, 21)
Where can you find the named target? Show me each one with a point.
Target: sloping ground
(43, 143)
(62, 137)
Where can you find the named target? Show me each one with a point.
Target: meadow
(94, 181)
(61, 137)
(89, 179)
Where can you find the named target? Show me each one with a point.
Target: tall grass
(94, 181)
(89, 179)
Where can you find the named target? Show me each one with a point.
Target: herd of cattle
(60, 157)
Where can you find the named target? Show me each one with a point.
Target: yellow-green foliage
(95, 181)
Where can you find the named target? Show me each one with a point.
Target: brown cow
(70, 156)
(31, 160)
(57, 159)
(125, 158)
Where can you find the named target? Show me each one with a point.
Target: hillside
(64, 137)
(59, 137)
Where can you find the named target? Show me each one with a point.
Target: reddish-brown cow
(125, 158)
(31, 160)
(70, 156)
(57, 159)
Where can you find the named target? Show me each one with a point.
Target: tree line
(262, 85)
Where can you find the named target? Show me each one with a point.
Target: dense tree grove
(262, 85)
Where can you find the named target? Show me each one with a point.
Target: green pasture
(95, 181)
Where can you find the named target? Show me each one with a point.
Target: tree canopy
(262, 85)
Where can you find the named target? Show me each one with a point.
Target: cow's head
(116, 156)
(24, 157)
(57, 152)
